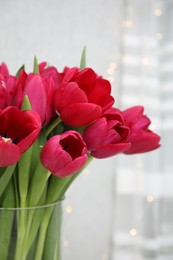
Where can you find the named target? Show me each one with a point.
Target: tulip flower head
(108, 135)
(18, 131)
(82, 97)
(64, 154)
(40, 90)
(141, 138)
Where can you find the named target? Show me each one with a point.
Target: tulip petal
(3, 97)
(9, 153)
(100, 94)
(112, 137)
(64, 154)
(25, 143)
(72, 167)
(143, 141)
(95, 134)
(80, 114)
(67, 95)
(109, 150)
(50, 88)
(22, 127)
(142, 123)
(11, 89)
(114, 114)
(133, 114)
(4, 70)
(69, 73)
(42, 66)
(53, 156)
(86, 80)
(35, 91)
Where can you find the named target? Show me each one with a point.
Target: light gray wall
(57, 30)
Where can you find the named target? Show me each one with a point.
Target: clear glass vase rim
(35, 207)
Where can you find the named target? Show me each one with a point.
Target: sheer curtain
(143, 204)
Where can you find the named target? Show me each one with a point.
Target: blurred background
(119, 208)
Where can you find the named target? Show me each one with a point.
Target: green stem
(24, 175)
(21, 229)
(29, 223)
(52, 245)
(56, 191)
(56, 122)
(16, 192)
(5, 178)
(38, 184)
(26, 217)
(34, 220)
(58, 186)
(42, 233)
(6, 222)
(49, 240)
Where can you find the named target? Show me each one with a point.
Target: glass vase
(31, 233)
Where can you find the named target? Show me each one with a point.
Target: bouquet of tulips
(51, 125)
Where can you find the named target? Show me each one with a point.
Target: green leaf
(83, 59)
(38, 184)
(35, 217)
(56, 122)
(26, 104)
(35, 157)
(19, 70)
(58, 186)
(6, 221)
(36, 68)
(24, 175)
(52, 244)
(5, 178)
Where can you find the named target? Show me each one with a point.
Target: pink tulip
(108, 135)
(4, 70)
(18, 131)
(3, 95)
(141, 138)
(3, 75)
(64, 154)
(82, 96)
(40, 90)
(11, 90)
(15, 89)
(50, 72)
